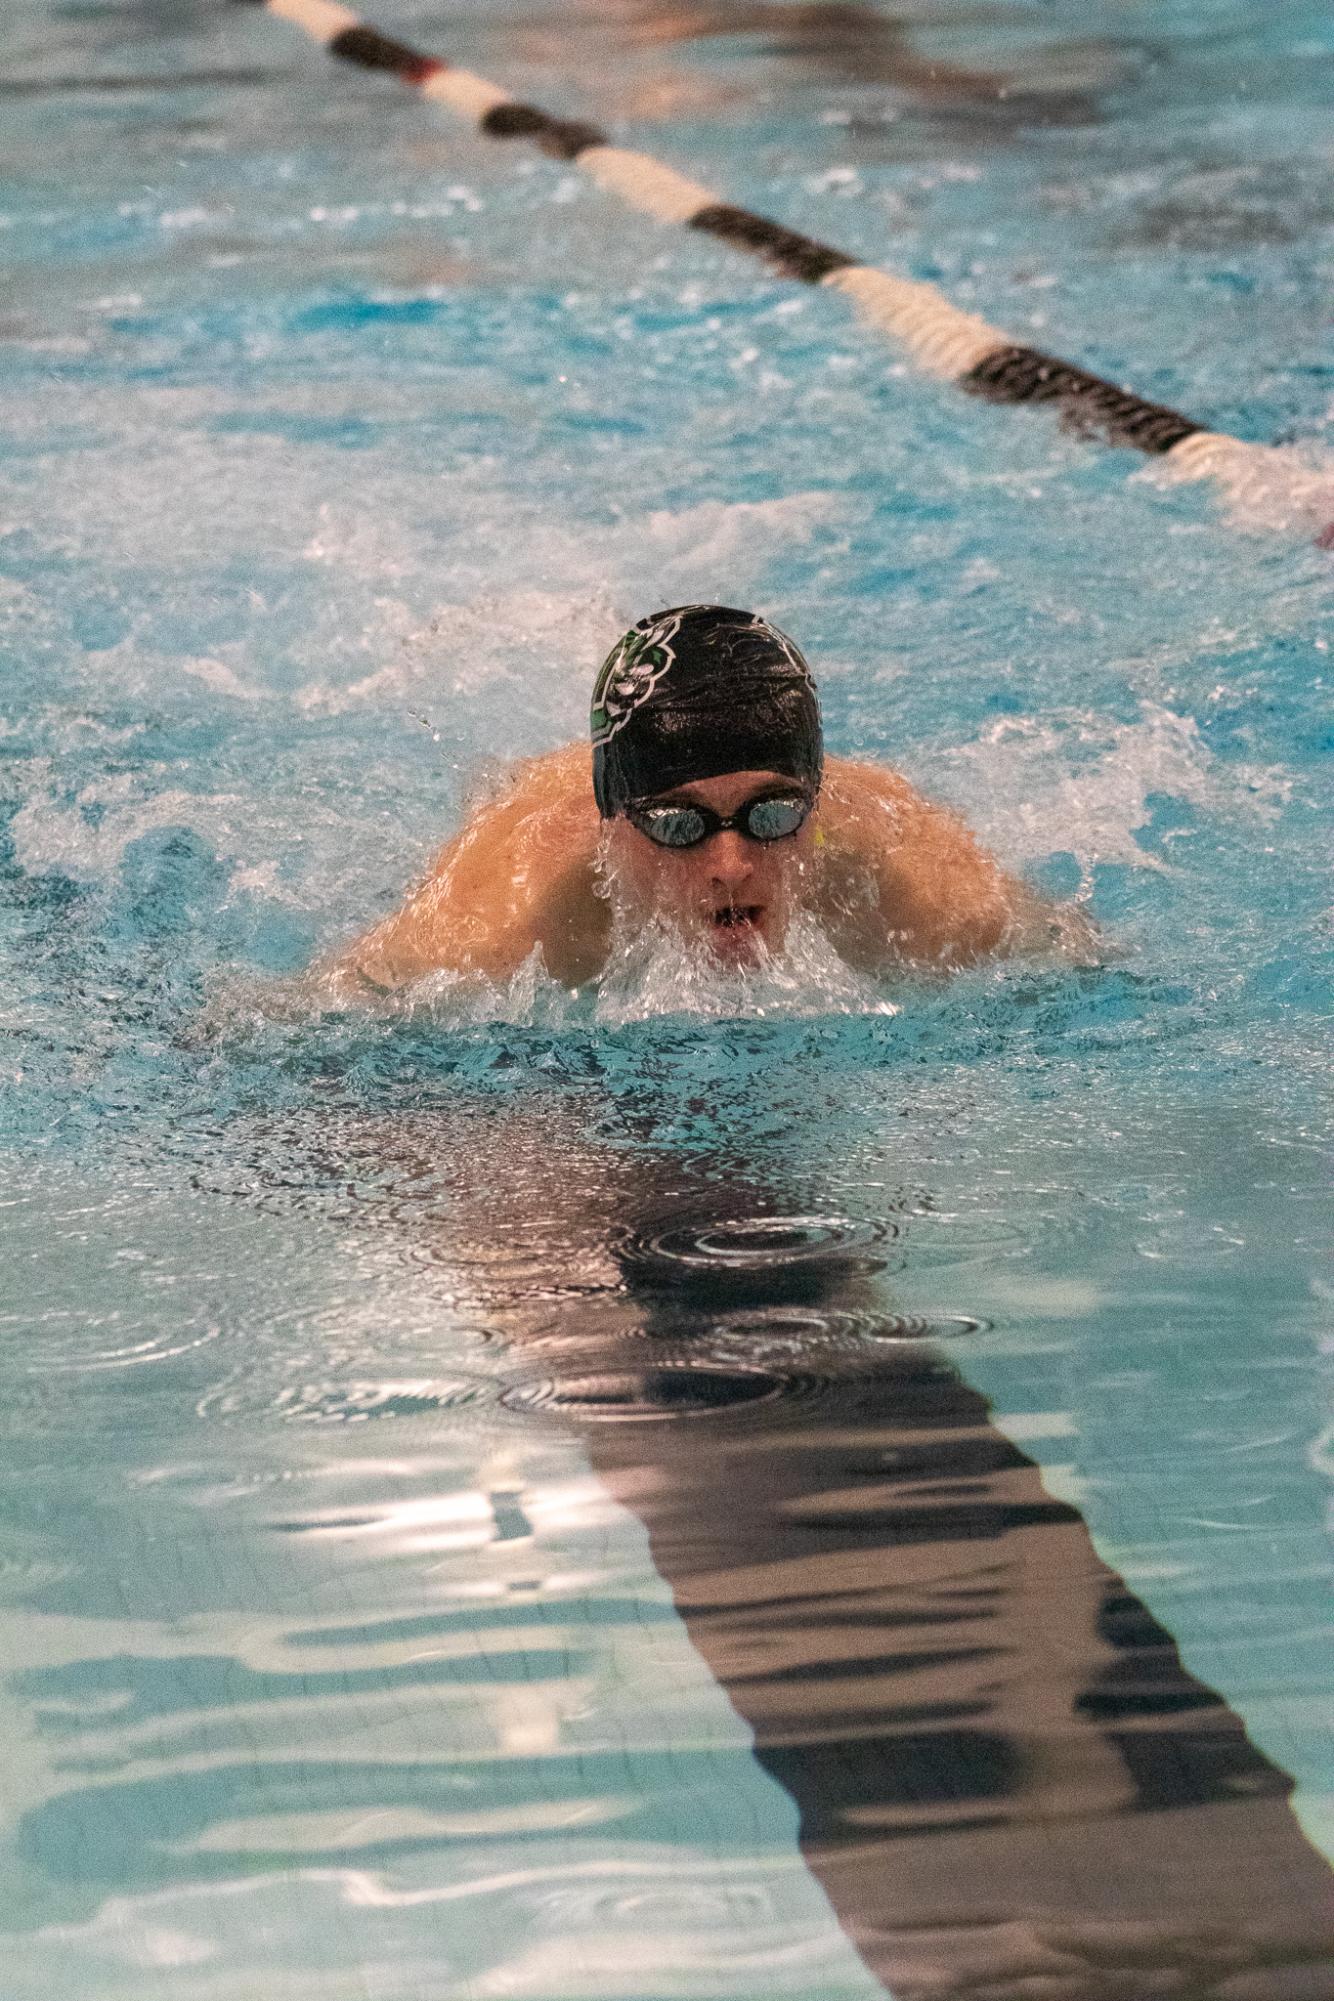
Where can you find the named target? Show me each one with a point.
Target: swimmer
(714, 816)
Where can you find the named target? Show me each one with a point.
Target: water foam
(1081, 785)
(654, 970)
(87, 839)
(1266, 489)
(542, 636)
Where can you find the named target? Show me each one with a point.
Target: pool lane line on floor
(942, 339)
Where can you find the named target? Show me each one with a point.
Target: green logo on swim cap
(631, 671)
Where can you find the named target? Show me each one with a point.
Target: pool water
(675, 1495)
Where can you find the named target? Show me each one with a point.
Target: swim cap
(697, 691)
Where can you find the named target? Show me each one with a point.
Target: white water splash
(655, 970)
(1034, 788)
(1266, 489)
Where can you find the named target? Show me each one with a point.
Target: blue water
(337, 446)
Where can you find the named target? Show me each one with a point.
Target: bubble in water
(926, 1327)
(679, 1904)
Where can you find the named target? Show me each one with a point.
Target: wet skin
(893, 879)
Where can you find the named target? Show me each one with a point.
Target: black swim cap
(695, 692)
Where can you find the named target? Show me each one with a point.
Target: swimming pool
(525, 1499)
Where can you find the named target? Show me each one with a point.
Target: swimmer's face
(735, 894)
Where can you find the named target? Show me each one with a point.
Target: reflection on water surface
(1002, 1770)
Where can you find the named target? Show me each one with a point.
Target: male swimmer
(713, 815)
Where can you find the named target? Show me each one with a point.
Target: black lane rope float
(943, 340)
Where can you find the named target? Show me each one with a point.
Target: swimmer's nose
(730, 861)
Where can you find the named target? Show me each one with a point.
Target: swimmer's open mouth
(736, 916)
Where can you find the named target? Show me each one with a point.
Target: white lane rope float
(944, 341)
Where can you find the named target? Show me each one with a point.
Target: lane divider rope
(941, 338)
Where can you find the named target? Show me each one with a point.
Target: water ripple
(685, 1365)
(670, 1389)
(758, 1243)
(244, 1398)
(936, 1239)
(56, 1358)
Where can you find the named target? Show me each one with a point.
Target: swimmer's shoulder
(518, 874)
(555, 782)
(523, 867)
(552, 776)
(527, 821)
(904, 879)
(942, 896)
(534, 832)
(855, 797)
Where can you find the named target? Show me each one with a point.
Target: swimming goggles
(770, 817)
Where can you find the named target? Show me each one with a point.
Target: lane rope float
(943, 340)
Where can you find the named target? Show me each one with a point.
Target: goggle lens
(672, 826)
(773, 819)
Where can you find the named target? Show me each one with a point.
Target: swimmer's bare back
(896, 882)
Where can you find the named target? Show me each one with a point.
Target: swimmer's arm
(919, 888)
(518, 875)
(437, 930)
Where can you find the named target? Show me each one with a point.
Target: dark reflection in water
(853, 43)
(1008, 1783)
(846, 39)
(1001, 1765)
